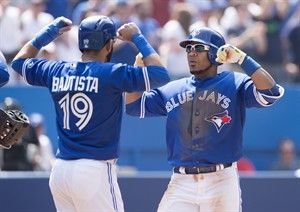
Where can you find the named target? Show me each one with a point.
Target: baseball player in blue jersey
(4, 76)
(88, 101)
(205, 119)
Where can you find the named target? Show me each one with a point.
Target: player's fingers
(65, 29)
(119, 36)
(67, 21)
(218, 60)
(222, 55)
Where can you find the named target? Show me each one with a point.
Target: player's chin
(194, 70)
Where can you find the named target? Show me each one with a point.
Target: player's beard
(195, 72)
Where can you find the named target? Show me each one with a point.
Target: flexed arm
(43, 38)
(265, 84)
(131, 32)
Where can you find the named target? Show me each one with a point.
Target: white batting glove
(230, 54)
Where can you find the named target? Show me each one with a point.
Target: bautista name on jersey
(75, 83)
(88, 99)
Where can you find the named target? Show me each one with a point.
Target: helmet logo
(86, 43)
(194, 33)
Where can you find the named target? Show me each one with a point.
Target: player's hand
(139, 60)
(126, 31)
(230, 54)
(51, 32)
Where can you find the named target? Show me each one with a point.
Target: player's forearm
(150, 56)
(262, 79)
(132, 97)
(153, 60)
(28, 51)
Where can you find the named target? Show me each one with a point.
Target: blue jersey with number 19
(88, 101)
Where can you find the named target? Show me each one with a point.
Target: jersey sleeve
(150, 104)
(37, 72)
(4, 76)
(129, 78)
(258, 98)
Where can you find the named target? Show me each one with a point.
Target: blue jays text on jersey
(88, 101)
(205, 118)
(206, 96)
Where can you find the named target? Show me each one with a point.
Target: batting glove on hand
(51, 32)
(230, 54)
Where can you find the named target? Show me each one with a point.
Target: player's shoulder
(176, 85)
(237, 76)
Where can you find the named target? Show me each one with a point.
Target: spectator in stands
(18, 158)
(273, 14)
(148, 25)
(293, 46)
(97, 6)
(34, 18)
(245, 165)
(174, 31)
(245, 33)
(46, 156)
(10, 30)
(287, 158)
(66, 46)
(210, 14)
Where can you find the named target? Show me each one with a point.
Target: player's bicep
(150, 104)
(135, 79)
(35, 71)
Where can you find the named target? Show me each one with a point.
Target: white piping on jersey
(260, 98)
(146, 78)
(143, 100)
(24, 70)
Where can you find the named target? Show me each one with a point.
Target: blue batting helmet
(208, 37)
(95, 31)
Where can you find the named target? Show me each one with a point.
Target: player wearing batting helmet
(88, 101)
(4, 76)
(205, 119)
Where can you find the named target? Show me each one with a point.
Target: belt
(201, 170)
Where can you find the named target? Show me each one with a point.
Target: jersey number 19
(81, 107)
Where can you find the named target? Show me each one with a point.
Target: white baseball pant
(210, 192)
(85, 185)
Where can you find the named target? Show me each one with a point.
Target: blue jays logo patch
(219, 120)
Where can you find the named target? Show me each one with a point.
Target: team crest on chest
(219, 120)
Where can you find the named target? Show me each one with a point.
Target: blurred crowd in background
(268, 30)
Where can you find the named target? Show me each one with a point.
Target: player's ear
(109, 45)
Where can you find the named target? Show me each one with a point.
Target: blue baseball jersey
(4, 76)
(205, 118)
(88, 101)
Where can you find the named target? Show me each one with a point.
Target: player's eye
(196, 47)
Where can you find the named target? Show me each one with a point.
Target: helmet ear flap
(212, 56)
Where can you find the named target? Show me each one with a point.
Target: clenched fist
(126, 31)
(230, 54)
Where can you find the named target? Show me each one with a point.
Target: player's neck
(91, 56)
(202, 74)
